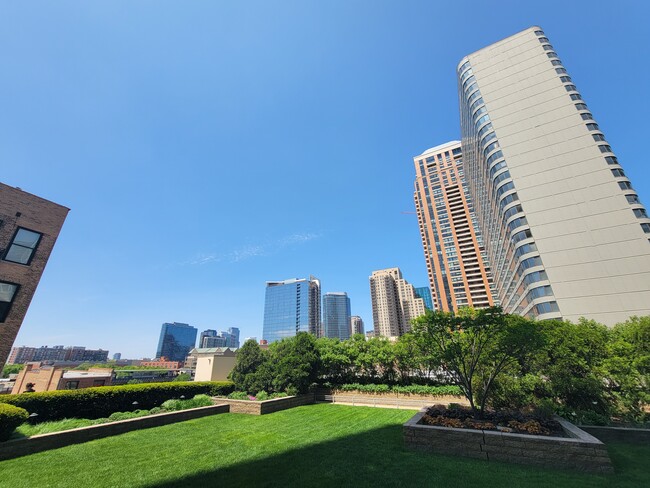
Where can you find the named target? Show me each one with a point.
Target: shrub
(10, 418)
(409, 390)
(93, 403)
(261, 396)
(238, 395)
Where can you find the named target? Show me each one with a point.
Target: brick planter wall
(618, 434)
(266, 406)
(580, 450)
(397, 400)
(30, 445)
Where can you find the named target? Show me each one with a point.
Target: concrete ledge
(578, 451)
(396, 400)
(30, 445)
(267, 406)
(619, 434)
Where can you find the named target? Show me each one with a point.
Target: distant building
(356, 325)
(29, 227)
(214, 364)
(176, 341)
(162, 363)
(56, 354)
(394, 303)
(206, 333)
(233, 337)
(336, 315)
(214, 341)
(291, 306)
(47, 377)
(424, 293)
(370, 334)
(117, 356)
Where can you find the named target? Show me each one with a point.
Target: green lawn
(316, 445)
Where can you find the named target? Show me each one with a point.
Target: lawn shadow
(376, 458)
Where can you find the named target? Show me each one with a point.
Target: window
(632, 198)
(625, 185)
(556, 62)
(640, 213)
(587, 116)
(617, 172)
(99, 382)
(570, 88)
(598, 137)
(605, 148)
(551, 54)
(611, 159)
(7, 294)
(539, 33)
(581, 106)
(575, 96)
(646, 228)
(559, 71)
(71, 385)
(23, 246)
(547, 307)
(543, 39)
(592, 127)
(565, 79)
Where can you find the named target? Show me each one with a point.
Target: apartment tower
(291, 306)
(29, 227)
(453, 247)
(394, 303)
(336, 315)
(565, 233)
(356, 325)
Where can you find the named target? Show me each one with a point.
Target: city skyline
(132, 146)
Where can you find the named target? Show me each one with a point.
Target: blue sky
(207, 147)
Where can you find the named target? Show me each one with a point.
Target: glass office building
(291, 306)
(424, 293)
(176, 341)
(336, 315)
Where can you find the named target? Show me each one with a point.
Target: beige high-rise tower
(394, 303)
(565, 233)
(453, 247)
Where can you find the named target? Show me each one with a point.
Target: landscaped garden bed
(573, 449)
(253, 406)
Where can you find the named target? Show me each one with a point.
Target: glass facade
(425, 294)
(336, 315)
(291, 306)
(176, 341)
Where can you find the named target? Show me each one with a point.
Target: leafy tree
(183, 377)
(249, 358)
(476, 346)
(295, 363)
(11, 369)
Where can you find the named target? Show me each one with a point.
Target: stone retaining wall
(580, 450)
(266, 406)
(396, 400)
(618, 434)
(30, 445)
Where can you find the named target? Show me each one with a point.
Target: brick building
(45, 378)
(29, 227)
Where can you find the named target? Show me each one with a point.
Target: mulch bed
(504, 421)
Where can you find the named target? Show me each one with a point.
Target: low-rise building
(214, 364)
(45, 377)
(163, 363)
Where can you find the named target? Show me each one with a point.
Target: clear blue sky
(207, 147)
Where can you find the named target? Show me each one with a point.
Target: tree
(296, 363)
(183, 377)
(249, 359)
(476, 346)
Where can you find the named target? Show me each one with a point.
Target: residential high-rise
(56, 354)
(291, 306)
(394, 303)
(336, 315)
(29, 227)
(214, 341)
(453, 247)
(424, 292)
(176, 341)
(356, 325)
(204, 334)
(233, 337)
(565, 232)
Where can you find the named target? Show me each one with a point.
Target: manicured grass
(315, 445)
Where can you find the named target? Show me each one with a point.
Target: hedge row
(10, 418)
(408, 390)
(93, 403)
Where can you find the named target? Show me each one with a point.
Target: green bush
(93, 403)
(10, 418)
(408, 390)
(239, 395)
(197, 401)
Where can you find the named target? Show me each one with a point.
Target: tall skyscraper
(29, 227)
(424, 292)
(291, 306)
(565, 232)
(394, 303)
(336, 315)
(453, 247)
(204, 334)
(176, 341)
(233, 339)
(356, 325)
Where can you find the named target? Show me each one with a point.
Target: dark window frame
(12, 243)
(5, 309)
